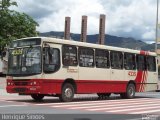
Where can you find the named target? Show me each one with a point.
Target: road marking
(130, 109)
(12, 106)
(127, 106)
(105, 104)
(135, 119)
(71, 103)
(146, 111)
(96, 102)
(97, 107)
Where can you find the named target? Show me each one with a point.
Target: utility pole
(156, 41)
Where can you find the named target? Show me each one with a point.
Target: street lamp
(156, 41)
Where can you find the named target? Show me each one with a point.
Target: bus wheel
(130, 92)
(103, 95)
(37, 97)
(67, 93)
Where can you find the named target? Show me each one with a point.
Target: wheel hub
(68, 92)
(131, 93)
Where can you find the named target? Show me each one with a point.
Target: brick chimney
(67, 28)
(101, 29)
(83, 29)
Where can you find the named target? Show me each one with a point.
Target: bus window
(86, 57)
(102, 58)
(51, 60)
(116, 60)
(69, 55)
(141, 62)
(151, 63)
(129, 61)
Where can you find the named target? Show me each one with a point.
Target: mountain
(109, 40)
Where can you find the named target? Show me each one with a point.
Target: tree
(14, 25)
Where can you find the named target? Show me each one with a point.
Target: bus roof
(92, 45)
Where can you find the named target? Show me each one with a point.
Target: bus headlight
(33, 83)
(9, 83)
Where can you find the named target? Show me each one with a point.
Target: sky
(124, 18)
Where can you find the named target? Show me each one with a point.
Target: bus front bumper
(34, 86)
(21, 86)
(24, 89)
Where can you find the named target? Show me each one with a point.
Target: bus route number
(130, 73)
(17, 52)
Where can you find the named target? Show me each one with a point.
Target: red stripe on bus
(142, 52)
(83, 86)
(51, 86)
(142, 75)
(139, 80)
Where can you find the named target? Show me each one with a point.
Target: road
(84, 107)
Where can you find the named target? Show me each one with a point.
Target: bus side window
(151, 63)
(102, 58)
(141, 62)
(129, 61)
(116, 60)
(69, 55)
(51, 60)
(86, 57)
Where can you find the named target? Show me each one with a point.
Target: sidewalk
(3, 87)
(2, 82)
(3, 92)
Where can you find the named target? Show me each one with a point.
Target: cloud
(148, 35)
(124, 18)
(74, 9)
(132, 19)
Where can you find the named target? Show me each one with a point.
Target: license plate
(19, 89)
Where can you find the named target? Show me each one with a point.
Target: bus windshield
(24, 61)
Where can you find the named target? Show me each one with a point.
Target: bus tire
(130, 92)
(67, 93)
(103, 95)
(37, 97)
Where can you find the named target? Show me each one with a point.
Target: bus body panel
(117, 75)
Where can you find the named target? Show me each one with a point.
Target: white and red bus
(41, 66)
